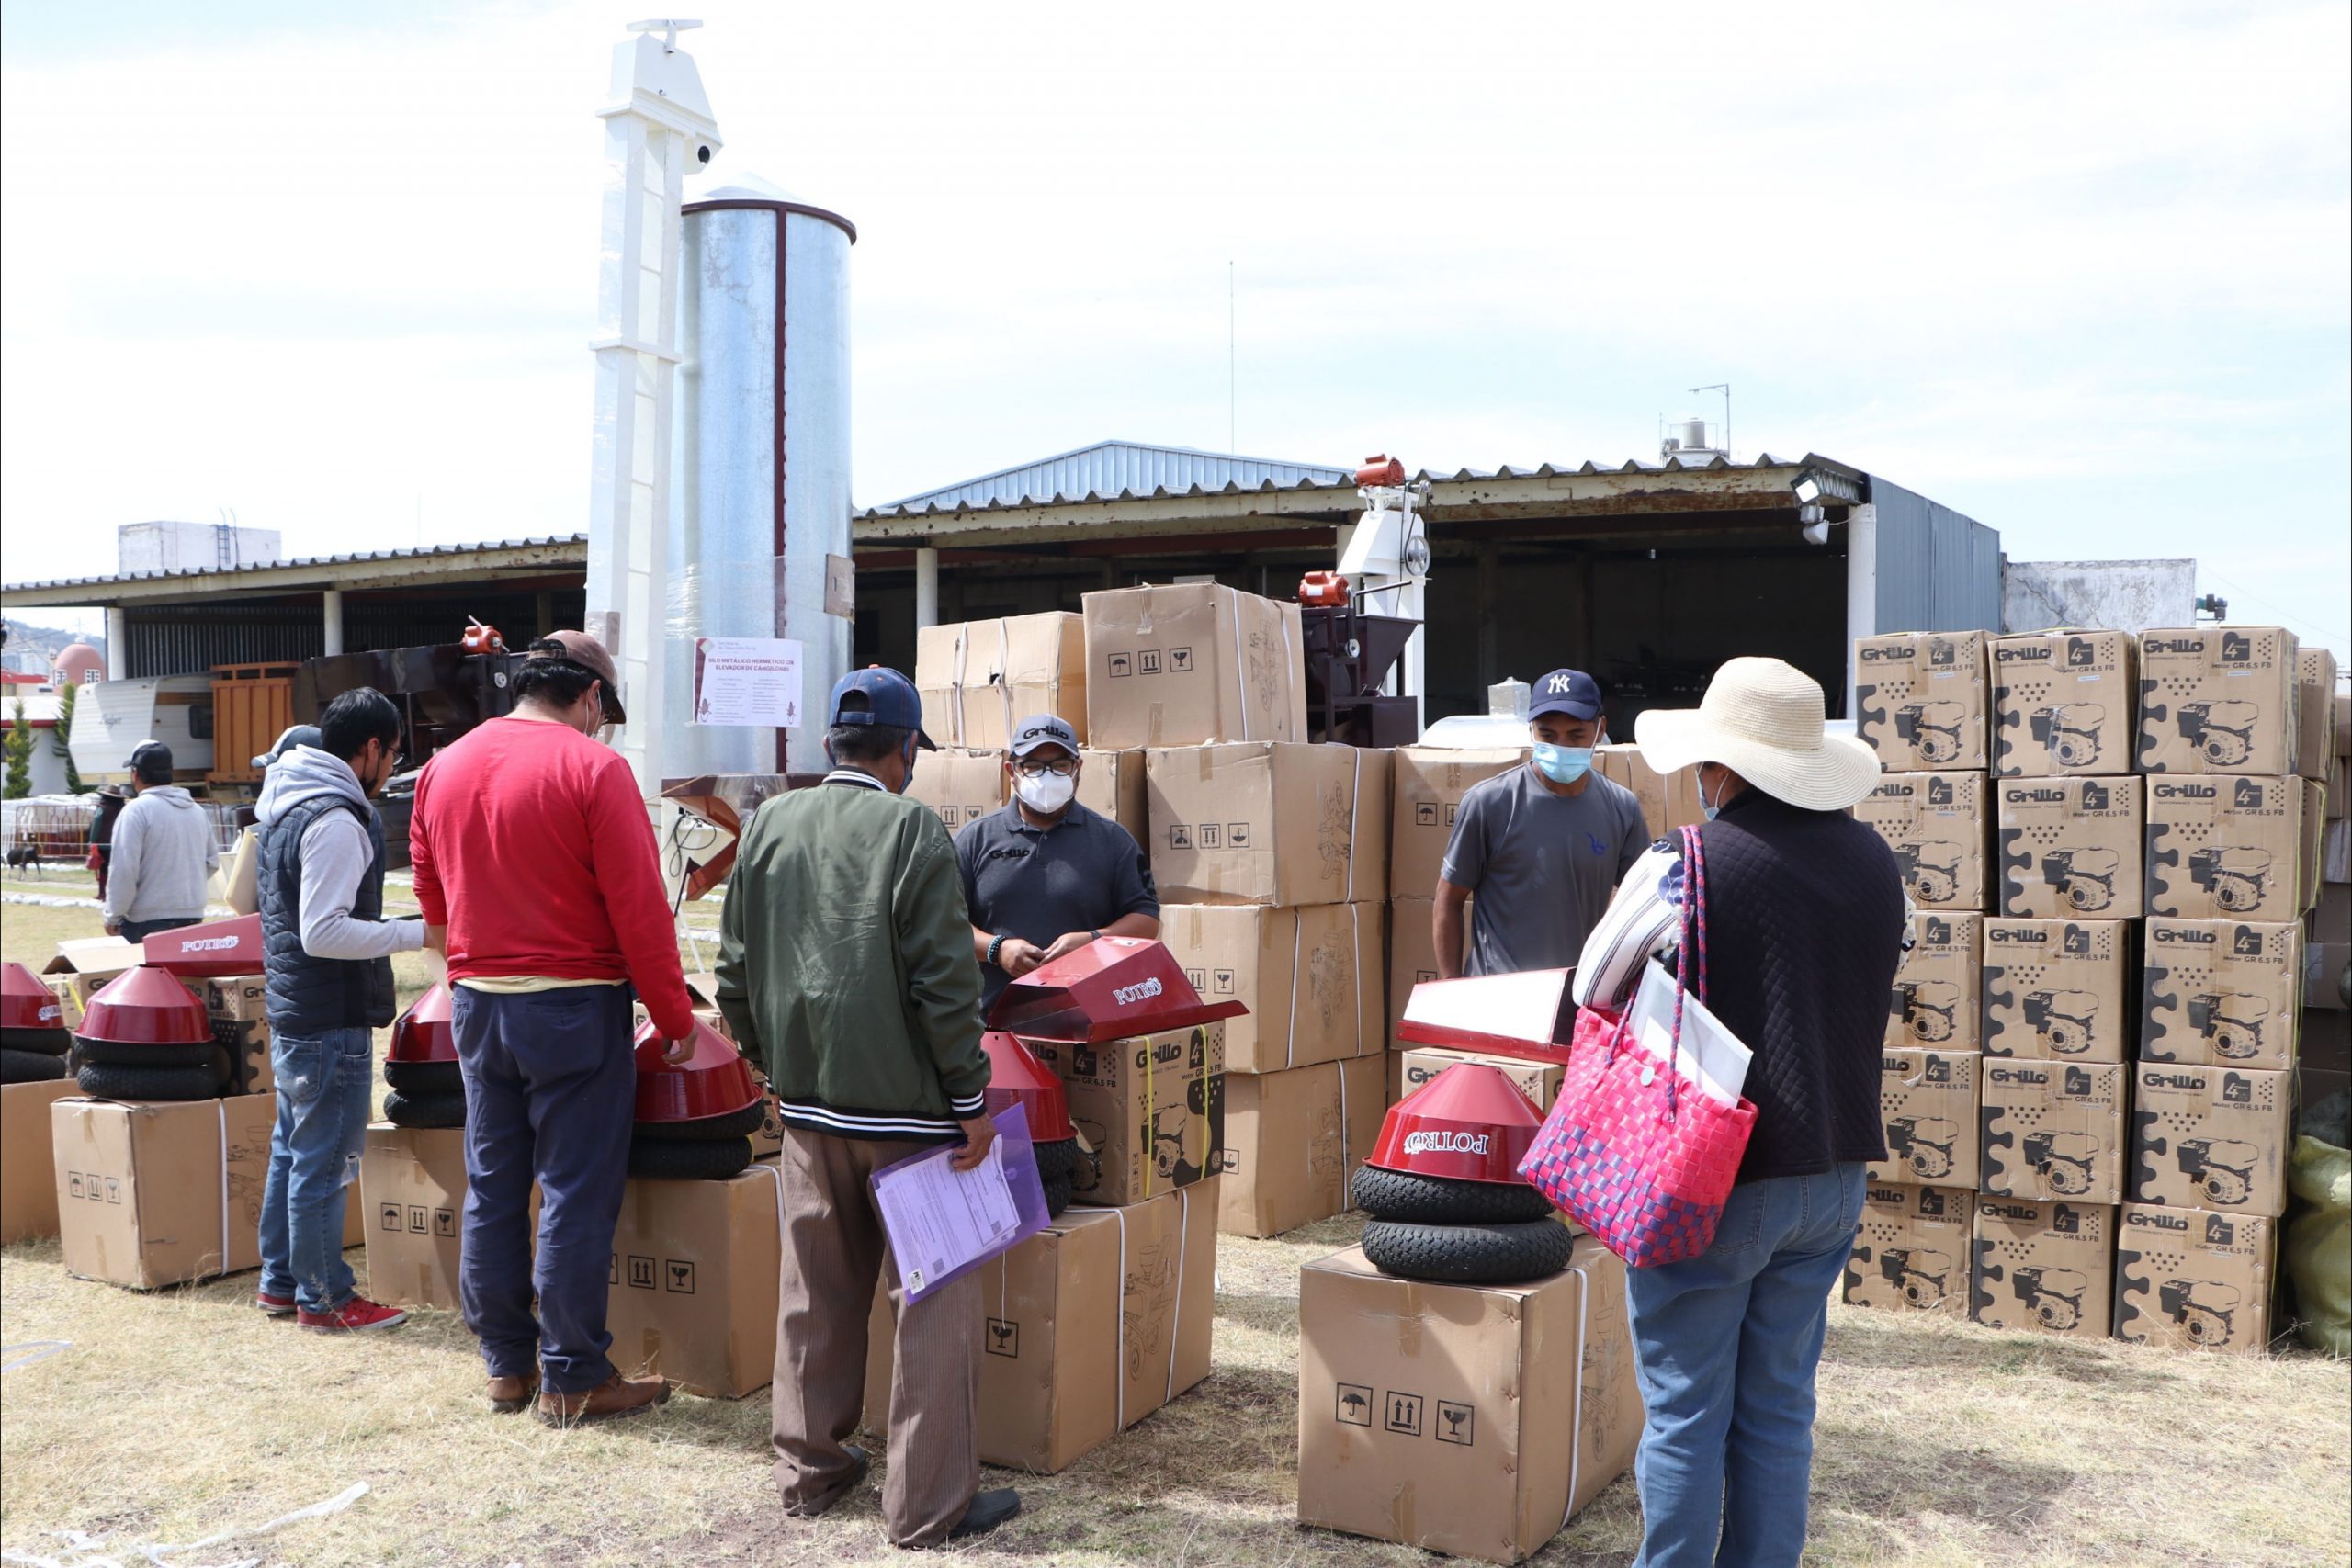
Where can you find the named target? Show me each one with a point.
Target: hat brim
(1831, 777)
(1561, 704)
(923, 740)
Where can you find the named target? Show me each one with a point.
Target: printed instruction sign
(748, 680)
(941, 1222)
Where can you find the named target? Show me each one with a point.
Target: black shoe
(989, 1510)
(860, 1462)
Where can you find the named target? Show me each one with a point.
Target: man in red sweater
(536, 869)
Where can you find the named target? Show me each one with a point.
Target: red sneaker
(275, 1306)
(354, 1316)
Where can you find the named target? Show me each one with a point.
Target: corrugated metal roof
(1053, 481)
(1118, 468)
(301, 563)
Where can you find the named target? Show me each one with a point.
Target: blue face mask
(1712, 811)
(1563, 764)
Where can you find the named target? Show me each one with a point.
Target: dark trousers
(550, 1094)
(140, 931)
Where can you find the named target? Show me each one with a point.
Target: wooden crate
(252, 705)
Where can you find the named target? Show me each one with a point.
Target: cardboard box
(1077, 1351)
(1151, 1108)
(412, 1201)
(2227, 848)
(1191, 664)
(2070, 847)
(1456, 1417)
(962, 786)
(1921, 700)
(1935, 998)
(1417, 1065)
(1110, 784)
(2046, 1266)
(693, 1281)
(2211, 1138)
(87, 963)
(1311, 978)
(1412, 953)
(1937, 824)
(2053, 1130)
(2316, 737)
(27, 1175)
(1429, 784)
(252, 1068)
(1268, 823)
(2064, 702)
(2218, 699)
(1669, 800)
(1926, 1102)
(1291, 1141)
(1912, 1250)
(977, 679)
(160, 1192)
(244, 1000)
(2189, 1279)
(2220, 993)
(2057, 990)
(2314, 830)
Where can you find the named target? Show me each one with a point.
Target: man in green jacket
(846, 971)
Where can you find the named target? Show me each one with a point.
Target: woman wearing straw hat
(1806, 921)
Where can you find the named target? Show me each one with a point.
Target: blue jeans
(550, 1095)
(323, 1088)
(1727, 1345)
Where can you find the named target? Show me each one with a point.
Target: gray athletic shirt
(1543, 867)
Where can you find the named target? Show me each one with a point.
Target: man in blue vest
(327, 955)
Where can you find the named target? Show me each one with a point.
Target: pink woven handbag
(1634, 1150)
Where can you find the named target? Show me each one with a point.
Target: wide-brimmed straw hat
(1762, 719)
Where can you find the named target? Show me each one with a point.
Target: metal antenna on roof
(1725, 387)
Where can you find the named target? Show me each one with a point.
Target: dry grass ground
(173, 1415)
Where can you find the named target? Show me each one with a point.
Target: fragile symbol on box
(640, 1272)
(1004, 1338)
(1179, 660)
(1456, 1423)
(1225, 982)
(114, 1190)
(1404, 1413)
(1354, 1405)
(678, 1276)
(445, 1223)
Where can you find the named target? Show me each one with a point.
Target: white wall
(2117, 595)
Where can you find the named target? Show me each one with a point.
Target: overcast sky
(2079, 270)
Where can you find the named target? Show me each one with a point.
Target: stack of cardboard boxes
(2094, 1032)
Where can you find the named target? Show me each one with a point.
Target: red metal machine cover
(145, 1007)
(714, 1081)
(211, 951)
(1017, 1078)
(1530, 1015)
(1113, 988)
(425, 1033)
(26, 1002)
(1468, 1123)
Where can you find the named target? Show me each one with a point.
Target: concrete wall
(2124, 595)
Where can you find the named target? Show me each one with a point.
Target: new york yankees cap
(1571, 692)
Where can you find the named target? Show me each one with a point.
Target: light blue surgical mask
(1712, 811)
(1563, 764)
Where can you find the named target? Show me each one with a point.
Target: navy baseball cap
(296, 735)
(1571, 692)
(879, 696)
(1042, 729)
(150, 758)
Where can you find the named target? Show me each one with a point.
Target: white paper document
(1711, 1055)
(939, 1219)
(753, 681)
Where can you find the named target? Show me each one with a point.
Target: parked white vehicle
(111, 717)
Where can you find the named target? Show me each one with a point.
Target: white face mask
(1045, 793)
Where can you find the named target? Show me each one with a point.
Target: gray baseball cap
(1042, 729)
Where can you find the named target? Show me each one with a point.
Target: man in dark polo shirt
(1045, 876)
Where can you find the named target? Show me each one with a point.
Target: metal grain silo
(761, 501)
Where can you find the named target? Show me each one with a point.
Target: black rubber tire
(103, 1081)
(38, 1042)
(29, 1067)
(424, 1078)
(688, 1159)
(1057, 1196)
(115, 1053)
(1443, 1200)
(405, 1109)
(1057, 1161)
(1468, 1255)
(706, 1129)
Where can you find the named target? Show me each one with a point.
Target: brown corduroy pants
(834, 1252)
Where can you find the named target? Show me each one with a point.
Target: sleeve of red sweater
(629, 871)
(420, 855)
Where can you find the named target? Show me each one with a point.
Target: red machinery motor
(1380, 471)
(1324, 589)
(421, 1068)
(146, 1037)
(1443, 1188)
(33, 1036)
(694, 1118)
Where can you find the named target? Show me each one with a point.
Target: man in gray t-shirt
(1543, 846)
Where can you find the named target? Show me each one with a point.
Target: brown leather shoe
(611, 1400)
(508, 1395)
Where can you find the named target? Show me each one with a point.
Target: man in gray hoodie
(327, 957)
(161, 854)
